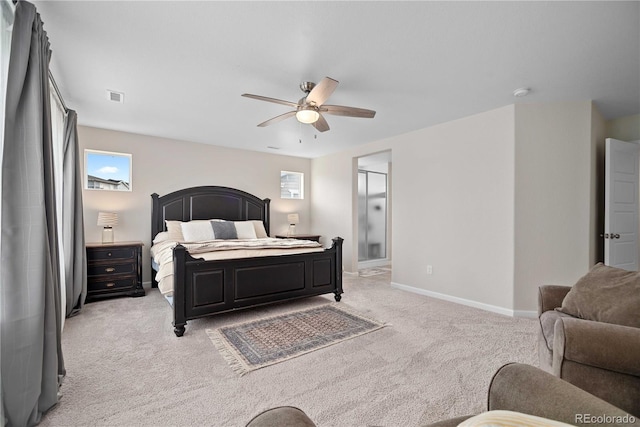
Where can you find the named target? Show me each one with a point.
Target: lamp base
(107, 235)
(291, 231)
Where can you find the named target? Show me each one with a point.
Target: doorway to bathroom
(373, 210)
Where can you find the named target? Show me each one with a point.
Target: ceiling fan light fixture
(307, 116)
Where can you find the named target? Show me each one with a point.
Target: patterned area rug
(254, 345)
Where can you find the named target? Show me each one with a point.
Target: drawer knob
(108, 253)
(110, 285)
(109, 269)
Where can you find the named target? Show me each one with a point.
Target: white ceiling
(183, 65)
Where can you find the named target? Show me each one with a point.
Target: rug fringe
(228, 354)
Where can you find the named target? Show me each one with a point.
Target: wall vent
(114, 96)
(272, 147)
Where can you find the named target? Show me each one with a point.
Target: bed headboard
(207, 202)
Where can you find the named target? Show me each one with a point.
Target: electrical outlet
(429, 269)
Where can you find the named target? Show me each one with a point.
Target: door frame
(354, 210)
(614, 211)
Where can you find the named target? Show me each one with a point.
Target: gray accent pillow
(224, 230)
(605, 294)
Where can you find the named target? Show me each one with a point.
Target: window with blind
(291, 185)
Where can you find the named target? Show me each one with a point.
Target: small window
(104, 170)
(291, 185)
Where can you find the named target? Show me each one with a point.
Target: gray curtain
(31, 354)
(75, 259)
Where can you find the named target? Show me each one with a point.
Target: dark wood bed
(202, 288)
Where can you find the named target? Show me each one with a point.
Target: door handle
(610, 236)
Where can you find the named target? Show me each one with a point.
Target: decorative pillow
(197, 231)
(224, 230)
(509, 419)
(605, 294)
(161, 237)
(245, 230)
(175, 230)
(261, 233)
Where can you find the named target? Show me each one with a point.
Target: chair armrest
(601, 345)
(551, 296)
(527, 389)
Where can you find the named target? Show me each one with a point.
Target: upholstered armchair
(598, 356)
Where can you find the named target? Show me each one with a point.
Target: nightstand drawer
(111, 253)
(117, 284)
(111, 269)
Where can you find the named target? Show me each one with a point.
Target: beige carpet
(125, 367)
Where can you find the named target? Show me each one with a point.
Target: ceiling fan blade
(340, 110)
(321, 124)
(277, 119)
(274, 100)
(322, 91)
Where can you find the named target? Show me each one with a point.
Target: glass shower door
(372, 215)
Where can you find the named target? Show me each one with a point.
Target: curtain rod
(55, 87)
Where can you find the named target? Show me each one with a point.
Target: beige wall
(452, 189)
(553, 197)
(453, 208)
(625, 128)
(498, 203)
(164, 165)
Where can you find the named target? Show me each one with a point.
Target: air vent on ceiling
(114, 96)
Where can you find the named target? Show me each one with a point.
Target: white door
(621, 204)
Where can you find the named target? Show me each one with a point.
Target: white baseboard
(529, 314)
(487, 307)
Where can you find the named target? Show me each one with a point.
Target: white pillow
(261, 233)
(245, 229)
(175, 230)
(161, 237)
(197, 231)
(509, 419)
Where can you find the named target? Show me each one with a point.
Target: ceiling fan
(309, 108)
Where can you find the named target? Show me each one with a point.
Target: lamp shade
(293, 218)
(107, 219)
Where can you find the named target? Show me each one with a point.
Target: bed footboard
(203, 288)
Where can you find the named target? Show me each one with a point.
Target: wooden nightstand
(114, 269)
(314, 237)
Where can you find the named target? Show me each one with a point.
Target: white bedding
(162, 253)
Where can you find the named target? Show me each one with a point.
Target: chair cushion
(606, 294)
(547, 322)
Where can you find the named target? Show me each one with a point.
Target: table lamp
(293, 220)
(107, 220)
